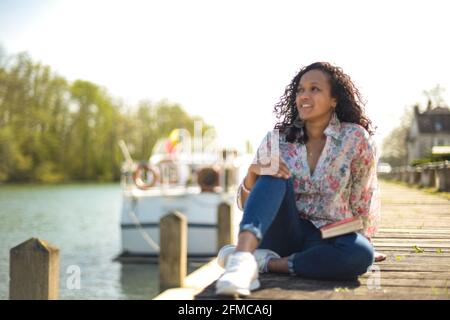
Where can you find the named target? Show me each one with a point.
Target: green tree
(394, 149)
(52, 130)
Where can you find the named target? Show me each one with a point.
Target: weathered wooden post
(34, 271)
(405, 175)
(416, 175)
(427, 178)
(443, 176)
(173, 250)
(397, 174)
(224, 225)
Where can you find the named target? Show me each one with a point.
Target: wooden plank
(413, 241)
(414, 268)
(410, 245)
(415, 259)
(392, 252)
(419, 237)
(364, 294)
(412, 275)
(413, 231)
(410, 282)
(194, 283)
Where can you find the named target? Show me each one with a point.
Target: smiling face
(313, 99)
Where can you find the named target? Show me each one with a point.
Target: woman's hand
(276, 168)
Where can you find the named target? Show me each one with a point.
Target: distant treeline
(53, 130)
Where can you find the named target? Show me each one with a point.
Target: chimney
(429, 105)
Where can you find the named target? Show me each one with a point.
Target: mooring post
(224, 225)
(173, 250)
(34, 271)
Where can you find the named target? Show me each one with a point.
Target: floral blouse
(344, 182)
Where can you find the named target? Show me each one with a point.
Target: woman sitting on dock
(317, 167)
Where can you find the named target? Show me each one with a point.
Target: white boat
(193, 185)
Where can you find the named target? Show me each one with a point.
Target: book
(345, 226)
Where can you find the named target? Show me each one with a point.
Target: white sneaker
(240, 276)
(262, 256)
(224, 253)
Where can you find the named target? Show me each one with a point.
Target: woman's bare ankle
(247, 241)
(278, 265)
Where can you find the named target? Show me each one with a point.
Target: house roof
(438, 110)
(435, 120)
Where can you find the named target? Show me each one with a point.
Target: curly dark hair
(349, 108)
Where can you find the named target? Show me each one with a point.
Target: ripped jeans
(271, 214)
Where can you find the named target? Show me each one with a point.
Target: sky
(229, 61)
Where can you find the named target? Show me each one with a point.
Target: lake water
(83, 221)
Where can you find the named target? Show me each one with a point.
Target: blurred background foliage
(53, 130)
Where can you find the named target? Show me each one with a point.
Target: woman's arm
(364, 195)
(265, 162)
(245, 188)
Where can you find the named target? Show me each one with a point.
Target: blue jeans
(271, 214)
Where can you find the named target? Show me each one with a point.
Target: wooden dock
(415, 235)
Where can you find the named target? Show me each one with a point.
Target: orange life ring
(141, 168)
